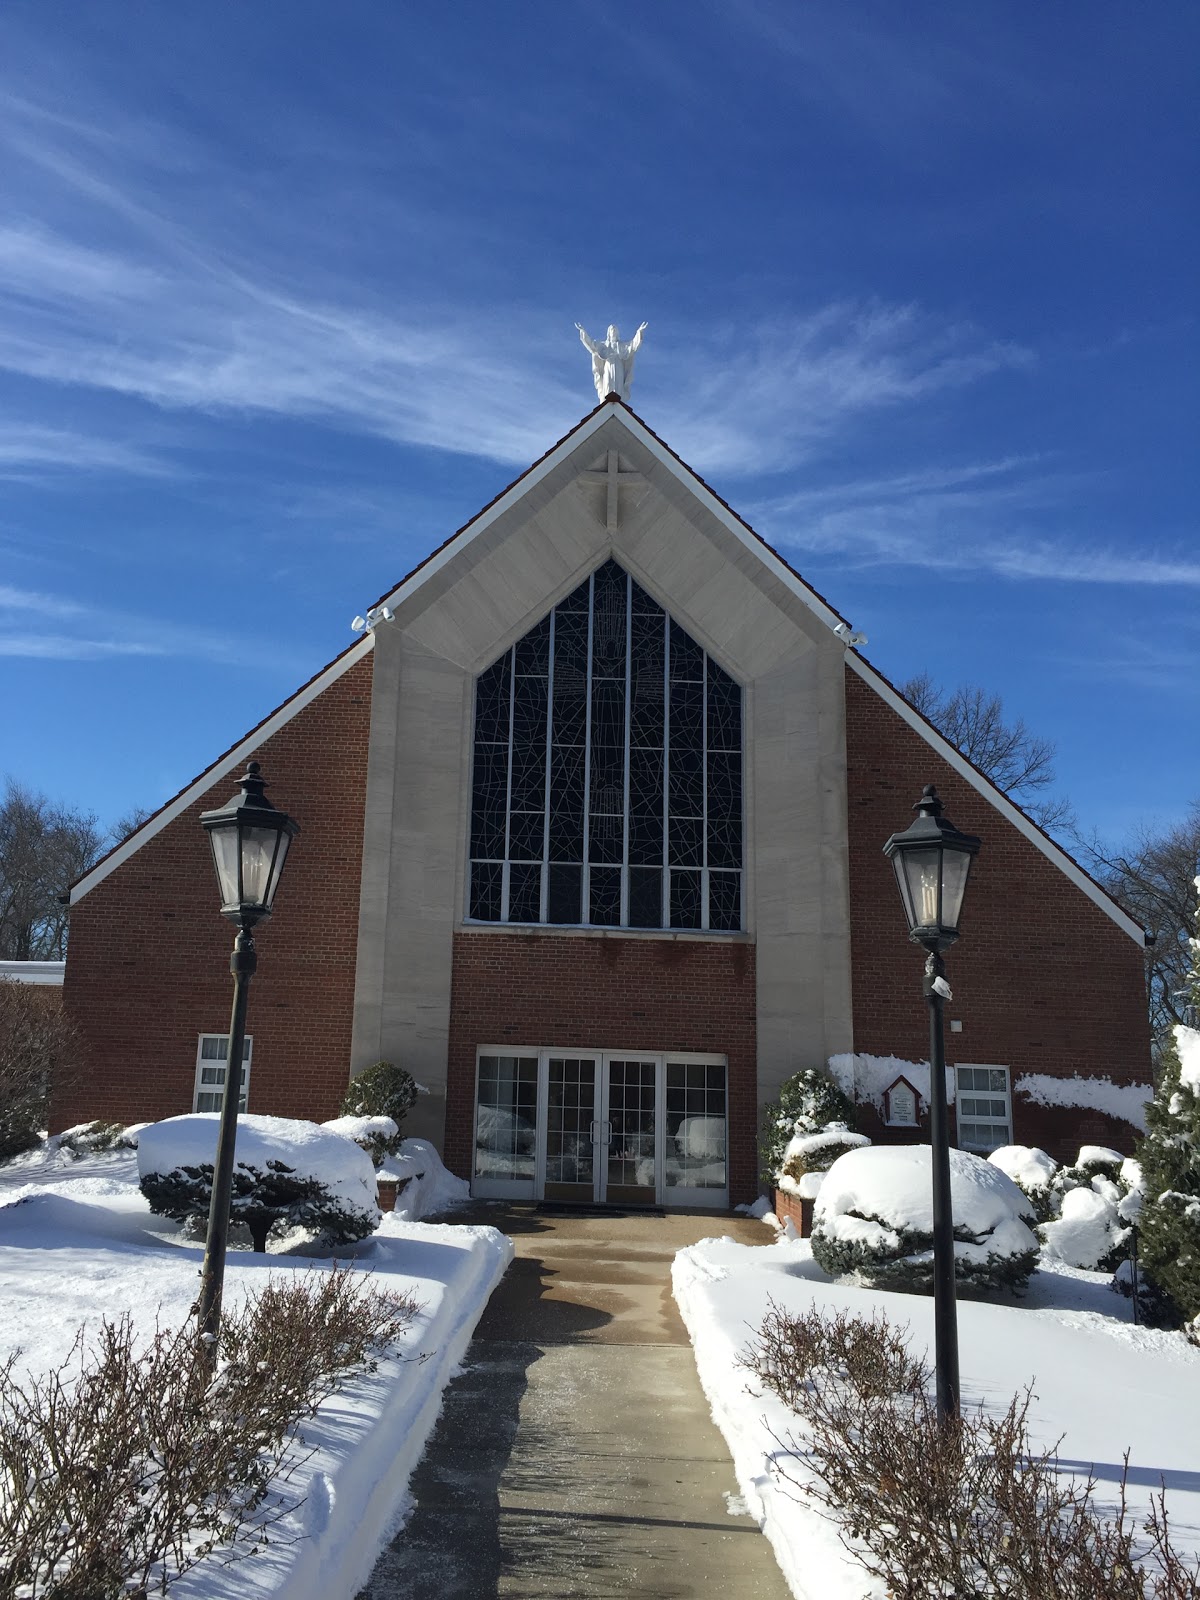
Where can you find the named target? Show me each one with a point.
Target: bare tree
(1014, 758)
(44, 847)
(1154, 878)
(40, 1052)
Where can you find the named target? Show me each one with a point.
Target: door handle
(603, 1137)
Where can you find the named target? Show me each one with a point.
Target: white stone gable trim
(225, 764)
(678, 469)
(997, 798)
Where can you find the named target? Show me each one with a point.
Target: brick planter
(800, 1211)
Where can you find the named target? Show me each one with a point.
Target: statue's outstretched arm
(637, 338)
(588, 344)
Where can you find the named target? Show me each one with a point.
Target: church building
(592, 822)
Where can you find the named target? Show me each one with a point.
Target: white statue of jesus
(612, 361)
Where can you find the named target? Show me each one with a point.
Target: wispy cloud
(28, 450)
(202, 316)
(976, 517)
(32, 628)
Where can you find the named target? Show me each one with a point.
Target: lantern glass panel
(955, 866)
(258, 856)
(923, 869)
(285, 839)
(225, 859)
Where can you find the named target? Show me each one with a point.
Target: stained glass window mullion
(666, 828)
(704, 794)
(543, 903)
(586, 874)
(512, 685)
(628, 717)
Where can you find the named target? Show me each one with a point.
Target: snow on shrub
(428, 1186)
(378, 1136)
(1092, 1210)
(873, 1219)
(286, 1172)
(1170, 1158)
(1088, 1231)
(1033, 1171)
(809, 1157)
(808, 1102)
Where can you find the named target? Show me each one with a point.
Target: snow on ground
(78, 1243)
(431, 1188)
(1101, 1383)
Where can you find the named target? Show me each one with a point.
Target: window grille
(984, 1108)
(212, 1056)
(607, 788)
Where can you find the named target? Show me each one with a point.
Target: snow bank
(431, 1188)
(1071, 1339)
(864, 1078)
(310, 1150)
(79, 1243)
(1027, 1166)
(1187, 1042)
(1124, 1100)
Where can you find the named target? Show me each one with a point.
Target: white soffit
(997, 798)
(223, 765)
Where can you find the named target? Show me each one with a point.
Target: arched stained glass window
(608, 772)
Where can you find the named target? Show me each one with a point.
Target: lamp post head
(249, 839)
(932, 860)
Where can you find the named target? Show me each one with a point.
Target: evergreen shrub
(382, 1090)
(873, 1222)
(809, 1102)
(267, 1198)
(1170, 1161)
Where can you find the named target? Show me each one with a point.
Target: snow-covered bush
(378, 1136)
(808, 1102)
(1170, 1160)
(428, 1187)
(1033, 1172)
(809, 1156)
(1092, 1210)
(286, 1173)
(91, 1138)
(873, 1219)
(383, 1090)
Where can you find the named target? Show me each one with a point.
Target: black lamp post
(249, 840)
(932, 860)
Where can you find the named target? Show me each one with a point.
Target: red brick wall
(1043, 979)
(148, 958)
(609, 994)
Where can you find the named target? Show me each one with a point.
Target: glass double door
(601, 1129)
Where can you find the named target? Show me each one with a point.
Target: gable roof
(461, 540)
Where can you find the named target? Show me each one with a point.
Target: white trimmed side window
(984, 1108)
(212, 1054)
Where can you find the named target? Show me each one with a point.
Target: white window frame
(1004, 1128)
(217, 1090)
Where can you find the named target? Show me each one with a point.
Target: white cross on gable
(614, 480)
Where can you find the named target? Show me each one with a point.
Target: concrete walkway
(575, 1456)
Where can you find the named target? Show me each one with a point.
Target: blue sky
(287, 292)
